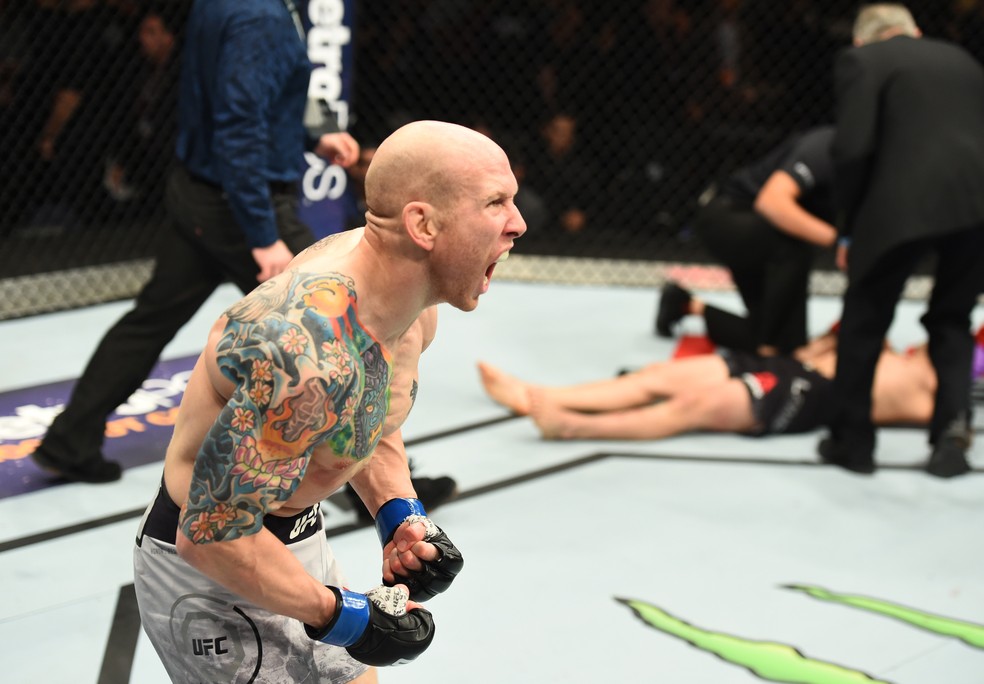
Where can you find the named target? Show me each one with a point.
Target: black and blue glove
(435, 576)
(376, 628)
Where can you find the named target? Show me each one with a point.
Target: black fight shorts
(787, 396)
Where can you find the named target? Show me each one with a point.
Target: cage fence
(616, 116)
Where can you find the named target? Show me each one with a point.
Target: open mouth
(491, 268)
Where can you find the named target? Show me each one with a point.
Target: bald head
(883, 20)
(425, 161)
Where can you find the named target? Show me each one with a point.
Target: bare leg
(367, 677)
(651, 383)
(724, 407)
(696, 306)
(506, 390)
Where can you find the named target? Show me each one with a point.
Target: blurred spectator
(446, 83)
(564, 177)
(792, 47)
(729, 40)
(740, 96)
(509, 58)
(34, 61)
(965, 25)
(668, 60)
(89, 77)
(138, 157)
(385, 44)
(566, 55)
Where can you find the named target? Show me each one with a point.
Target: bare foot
(505, 389)
(554, 421)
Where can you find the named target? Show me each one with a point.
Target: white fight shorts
(205, 633)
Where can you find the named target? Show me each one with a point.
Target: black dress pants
(199, 247)
(869, 307)
(771, 270)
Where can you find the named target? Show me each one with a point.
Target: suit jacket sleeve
(856, 87)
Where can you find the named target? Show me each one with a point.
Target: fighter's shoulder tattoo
(270, 295)
(323, 243)
(305, 372)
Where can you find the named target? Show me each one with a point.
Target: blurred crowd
(87, 110)
(616, 115)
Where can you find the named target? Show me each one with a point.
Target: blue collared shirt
(242, 95)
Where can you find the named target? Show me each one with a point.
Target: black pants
(770, 269)
(869, 307)
(200, 247)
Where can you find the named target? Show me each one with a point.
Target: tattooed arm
(261, 569)
(252, 460)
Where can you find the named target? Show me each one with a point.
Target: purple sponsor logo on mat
(137, 433)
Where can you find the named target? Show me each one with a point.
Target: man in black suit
(909, 181)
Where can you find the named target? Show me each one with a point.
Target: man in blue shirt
(231, 198)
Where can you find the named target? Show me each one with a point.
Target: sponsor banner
(137, 433)
(325, 194)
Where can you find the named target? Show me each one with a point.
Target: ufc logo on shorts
(302, 524)
(204, 647)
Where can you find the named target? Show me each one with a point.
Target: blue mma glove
(376, 628)
(435, 576)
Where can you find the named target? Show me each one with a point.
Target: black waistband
(162, 522)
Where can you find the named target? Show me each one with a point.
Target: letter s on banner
(323, 181)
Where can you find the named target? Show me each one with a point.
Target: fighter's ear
(418, 221)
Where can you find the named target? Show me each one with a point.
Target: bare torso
(331, 462)
(904, 387)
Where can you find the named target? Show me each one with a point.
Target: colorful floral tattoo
(306, 373)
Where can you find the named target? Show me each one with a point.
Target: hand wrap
(376, 628)
(435, 576)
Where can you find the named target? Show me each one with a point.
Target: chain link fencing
(616, 116)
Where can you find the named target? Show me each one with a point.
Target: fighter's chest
(361, 411)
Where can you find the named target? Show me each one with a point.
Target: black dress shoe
(673, 305)
(434, 491)
(95, 470)
(949, 458)
(834, 453)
